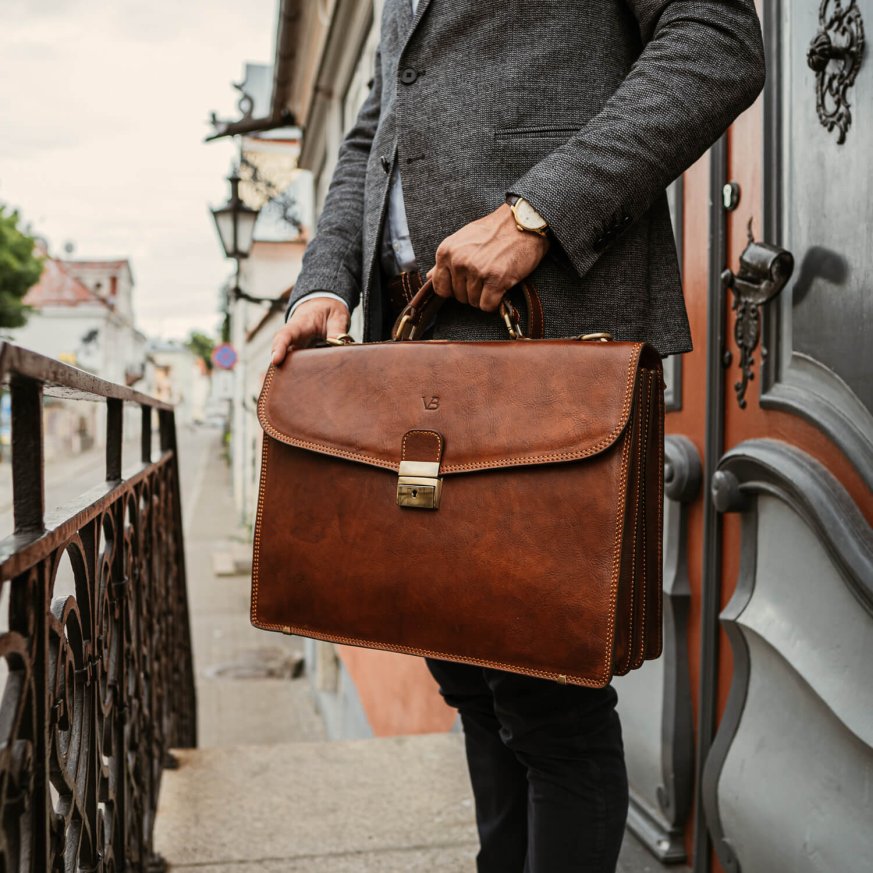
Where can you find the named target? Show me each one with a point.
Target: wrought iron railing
(99, 684)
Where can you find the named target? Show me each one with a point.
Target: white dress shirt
(397, 245)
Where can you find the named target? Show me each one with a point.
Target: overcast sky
(103, 111)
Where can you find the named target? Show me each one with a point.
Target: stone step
(398, 805)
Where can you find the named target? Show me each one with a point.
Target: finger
(492, 294)
(280, 345)
(442, 281)
(474, 289)
(283, 339)
(459, 285)
(337, 322)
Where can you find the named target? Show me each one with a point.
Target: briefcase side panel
(645, 579)
(336, 559)
(655, 513)
(626, 586)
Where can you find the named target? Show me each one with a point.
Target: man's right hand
(311, 320)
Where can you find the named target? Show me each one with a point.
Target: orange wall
(397, 692)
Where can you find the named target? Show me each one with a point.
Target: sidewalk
(245, 694)
(65, 478)
(398, 805)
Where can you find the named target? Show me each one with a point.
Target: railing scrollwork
(99, 678)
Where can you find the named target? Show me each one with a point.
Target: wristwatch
(526, 217)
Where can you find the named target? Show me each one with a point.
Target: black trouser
(547, 766)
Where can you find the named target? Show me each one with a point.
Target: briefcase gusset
(493, 503)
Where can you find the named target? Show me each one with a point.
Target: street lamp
(235, 223)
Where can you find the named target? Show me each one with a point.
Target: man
(507, 140)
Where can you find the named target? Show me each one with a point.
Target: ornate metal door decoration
(835, 55)
(764, 270)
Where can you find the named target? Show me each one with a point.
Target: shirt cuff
(314, 295)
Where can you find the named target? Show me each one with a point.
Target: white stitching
(256, 556)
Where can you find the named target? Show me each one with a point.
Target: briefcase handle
(420, 311)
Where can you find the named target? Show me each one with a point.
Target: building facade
(176, 375)
(82, 314)
(272, 183)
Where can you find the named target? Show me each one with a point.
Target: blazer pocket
(540, 131)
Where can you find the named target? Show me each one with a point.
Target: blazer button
(408, 76)
(386, 164)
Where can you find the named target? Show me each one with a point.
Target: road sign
(224, 356)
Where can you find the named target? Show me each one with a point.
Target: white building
(82, 314)
(272, 183)
(326, 66)
(176, 375)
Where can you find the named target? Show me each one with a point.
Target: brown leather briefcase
(494, 503)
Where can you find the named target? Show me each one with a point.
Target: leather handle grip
(420, 311)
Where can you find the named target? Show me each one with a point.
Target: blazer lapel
(403, 11)
(419, 14)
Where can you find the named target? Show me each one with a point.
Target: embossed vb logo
(431, 402)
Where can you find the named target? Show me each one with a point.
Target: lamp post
(235, 223)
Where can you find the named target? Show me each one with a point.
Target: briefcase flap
(496, 404)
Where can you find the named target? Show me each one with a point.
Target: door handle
(763, 273)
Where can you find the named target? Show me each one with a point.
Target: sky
(103, 110)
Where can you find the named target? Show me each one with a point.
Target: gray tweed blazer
(588, 108)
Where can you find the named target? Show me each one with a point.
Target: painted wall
(179, 377)
(397, 692)
(270, 269)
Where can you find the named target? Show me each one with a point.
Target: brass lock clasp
(419, 485)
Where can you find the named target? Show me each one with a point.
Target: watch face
(527, 216)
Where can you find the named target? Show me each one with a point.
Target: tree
(20, 269)
(201, 345)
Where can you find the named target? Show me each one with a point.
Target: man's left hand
(484, 259)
